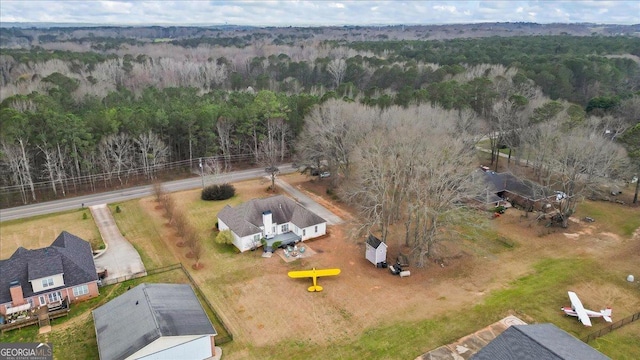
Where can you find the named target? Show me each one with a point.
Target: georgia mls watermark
(26, 351)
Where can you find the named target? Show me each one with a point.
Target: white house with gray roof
(275, 219)
(155, 321)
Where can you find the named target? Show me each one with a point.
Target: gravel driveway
(332, 219)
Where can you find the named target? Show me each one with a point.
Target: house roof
(374, 241)
(539, 341)
(68, 255)
(246, 218)
(508, 182)
(145, 313)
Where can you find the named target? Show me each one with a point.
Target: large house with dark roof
(521, 192)
(539, 341)
(155, 321)
(274, 219)
(62, 272)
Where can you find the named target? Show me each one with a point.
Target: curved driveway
(120, 259)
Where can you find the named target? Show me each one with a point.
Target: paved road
(310, 204)
(120, 259)
(130, 193)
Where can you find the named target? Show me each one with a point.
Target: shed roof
(374, 241)
(246, 218)
(539, 341)
(145, 313)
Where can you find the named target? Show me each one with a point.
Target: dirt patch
(262, 306)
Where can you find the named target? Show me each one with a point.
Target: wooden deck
(41, 316)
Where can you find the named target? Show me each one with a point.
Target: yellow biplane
(314, 274)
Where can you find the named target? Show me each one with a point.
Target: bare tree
(116, 154)
(152, 153)
(53, 166)
(270, 151)
(18, 159)
(577, 161)
(417, 181)
(337, 68)
(225, 126)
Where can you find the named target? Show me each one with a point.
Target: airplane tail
(606, 314)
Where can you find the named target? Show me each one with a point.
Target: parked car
(271, 169)
(325, 174)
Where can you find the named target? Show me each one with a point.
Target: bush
(499, 209)
(118, 210)
(276, 245)
(218, 192)
(224, 237)
(84, 216)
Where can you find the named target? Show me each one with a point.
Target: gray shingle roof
(534, 342)
(508, 182)
(246, 218)
(68, 254)
(143, 314)
(373, 241)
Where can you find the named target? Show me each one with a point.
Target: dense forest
(96, 107)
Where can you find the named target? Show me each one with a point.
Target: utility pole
(201, 173)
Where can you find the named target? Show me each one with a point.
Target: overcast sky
(318, 12)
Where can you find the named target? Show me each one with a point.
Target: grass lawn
(530, 297)
(621, 344)
(74, 337)
(534, 297)
(142, 232)
(40, 231)
(621, 220)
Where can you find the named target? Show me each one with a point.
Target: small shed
(376, 250)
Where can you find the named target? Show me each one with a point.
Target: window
(80, 290)
(42, 300)
(256, 237)
(316, 229)
(47, 282)
(54, 296)
(285, 228)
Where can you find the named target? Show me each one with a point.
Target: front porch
(282, 239)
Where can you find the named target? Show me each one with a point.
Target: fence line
(14, 195)
(222, 340)
(610, 328)
(179, 266)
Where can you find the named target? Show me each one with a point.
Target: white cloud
(449, 8)
(315, 12)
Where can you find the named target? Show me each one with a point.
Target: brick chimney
(17, 298)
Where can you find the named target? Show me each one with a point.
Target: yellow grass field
(39, 232)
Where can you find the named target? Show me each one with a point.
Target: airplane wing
(301, 274)
(312, 273)
(327, 272)
(579, 309)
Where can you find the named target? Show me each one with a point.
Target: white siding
(36, 284)
(376, 255)
(310, 232)
(222, 225)
(245, 243)
(196, 347)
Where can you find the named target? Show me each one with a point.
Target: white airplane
(583, 314)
